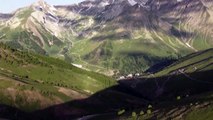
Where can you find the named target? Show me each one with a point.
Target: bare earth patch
(71, 93)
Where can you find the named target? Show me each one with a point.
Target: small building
(121, 77)
(130, 76)
(137, 74)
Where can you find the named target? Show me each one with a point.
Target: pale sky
(7, 6)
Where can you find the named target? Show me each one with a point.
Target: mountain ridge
(171, 27)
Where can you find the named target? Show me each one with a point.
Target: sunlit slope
(196, 62)
(30, 81)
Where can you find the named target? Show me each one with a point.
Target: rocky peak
(41, 5)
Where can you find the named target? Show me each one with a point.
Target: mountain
(139, 37)
(50, 56)
(112, 36)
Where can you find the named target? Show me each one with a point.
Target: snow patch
(179, 0)
(103, 4)
(132, 2)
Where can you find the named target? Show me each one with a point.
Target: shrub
(149, 111)
(121, 112)
(178, 98)
(149, 106)
(134, 115)
(142, 112)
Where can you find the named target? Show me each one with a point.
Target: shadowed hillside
(106, 103)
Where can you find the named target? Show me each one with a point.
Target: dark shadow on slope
(168, 87)
(8, 112)
(109, 101)
(112, 99)
(129, 95)
(160, 66)
(121, 35)
(135, 61)
(180, 33)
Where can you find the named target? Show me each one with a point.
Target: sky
(7, 6)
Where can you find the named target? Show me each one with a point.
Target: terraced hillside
(31, 82)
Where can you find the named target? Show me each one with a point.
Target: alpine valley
(62, 61)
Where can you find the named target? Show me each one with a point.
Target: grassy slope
(196, 62)
(126, 55)
(23, 75)
(134, 54)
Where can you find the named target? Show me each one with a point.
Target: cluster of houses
(136, 75)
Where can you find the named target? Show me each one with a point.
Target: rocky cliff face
(157, 14)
